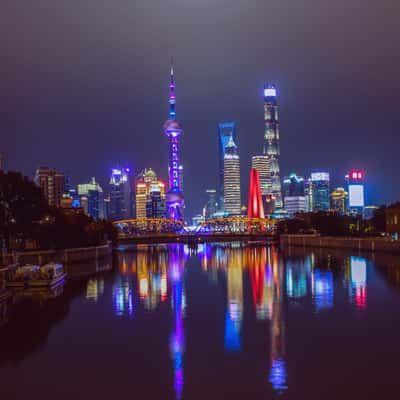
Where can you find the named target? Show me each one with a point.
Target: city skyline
(99, 92)
(271, 122)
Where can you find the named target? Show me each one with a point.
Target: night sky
(84, 86)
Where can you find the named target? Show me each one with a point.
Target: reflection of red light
(361, 297)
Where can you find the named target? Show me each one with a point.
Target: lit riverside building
(150, 195)
(173, 129)
(231, 179)
(52, 184)
(226, 131)
(271, 143)
(293, 194)
(339, 200)
(355, 183)
(94, 194)
(121, 206)
(260, 163)
(143, 181)
(155, 204)
(211, 206)
(320, 191)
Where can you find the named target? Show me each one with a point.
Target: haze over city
(84, 86)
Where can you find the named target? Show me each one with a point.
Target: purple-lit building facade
(174, 198)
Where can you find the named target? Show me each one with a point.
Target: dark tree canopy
(25, 214)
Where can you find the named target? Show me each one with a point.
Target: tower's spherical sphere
(174, 197)
(172, 125)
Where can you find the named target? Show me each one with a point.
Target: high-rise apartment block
(52, 184)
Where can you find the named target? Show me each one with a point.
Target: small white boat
(50, 275)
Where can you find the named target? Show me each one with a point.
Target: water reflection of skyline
(161, 297)
(158, 274)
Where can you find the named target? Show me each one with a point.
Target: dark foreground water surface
(221, 322)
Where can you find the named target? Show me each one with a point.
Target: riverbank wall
(65, 256)
(374, 244)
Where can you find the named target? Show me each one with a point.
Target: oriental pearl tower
(174, 197)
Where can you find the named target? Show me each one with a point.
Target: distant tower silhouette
(255, 207)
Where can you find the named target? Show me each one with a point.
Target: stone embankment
(362, 244)
(66, 256)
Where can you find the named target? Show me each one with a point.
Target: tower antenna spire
(172, 100)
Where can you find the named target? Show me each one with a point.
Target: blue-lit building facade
(155, 204)
(172, 128)
(320, 191)
(293, 194)
(211, 206)
(226, 132)
(91, 196)
(121, 195)
(355, 180)
(271, 144)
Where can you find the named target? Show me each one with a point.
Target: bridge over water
(161, 230)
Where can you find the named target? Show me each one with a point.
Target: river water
(223, 321)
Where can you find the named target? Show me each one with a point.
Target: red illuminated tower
(255, 207)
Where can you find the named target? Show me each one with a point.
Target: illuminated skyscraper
(320, 191)
(260, 163)
(94, 194)
(355, 184)
(211, 206)
(231, 179)
(155, 205)
(121, 205)
(141, 200)
(52, 184)
(150, 195)
(339, 200)
(226, 131)
(271, 144)
(293, 194)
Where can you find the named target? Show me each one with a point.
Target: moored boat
(20, 276)
(50, 275)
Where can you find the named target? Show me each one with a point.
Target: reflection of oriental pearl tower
(172, 128)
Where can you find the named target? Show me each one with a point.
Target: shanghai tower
(271, 144)
(174, 197)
